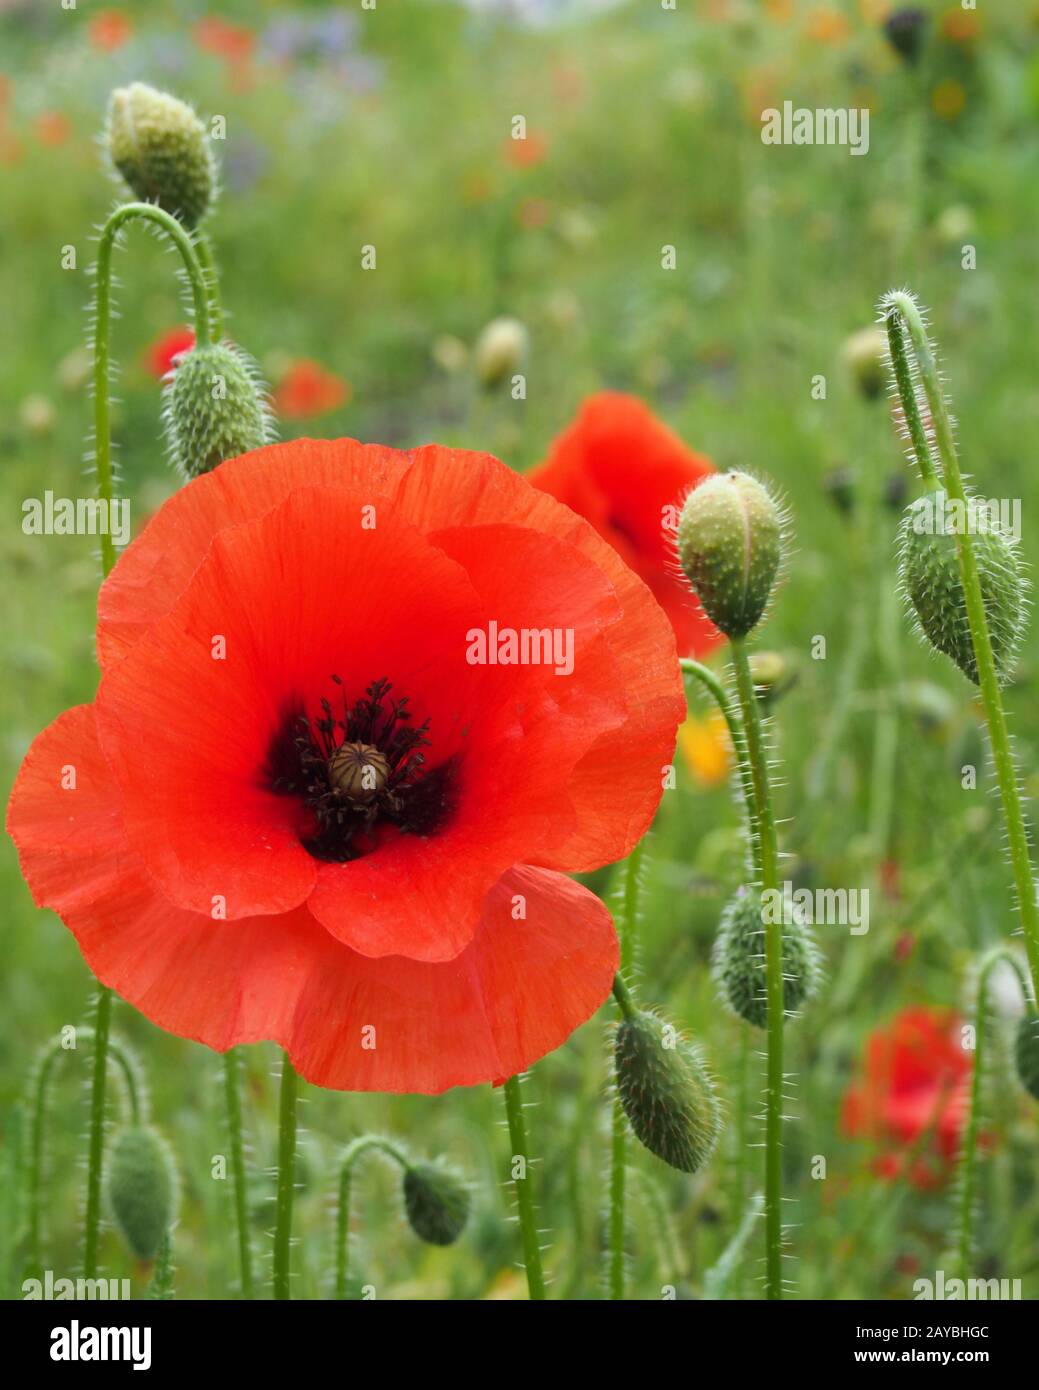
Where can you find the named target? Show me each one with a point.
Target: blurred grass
(651, 122)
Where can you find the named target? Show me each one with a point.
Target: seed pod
(865, 354)
(162, 150)
(436, 1199)
(931, 583)
(730, 543)
(500, 350)
(214, 409)
(1026, 1053)
(665, 1092)
(738, 960)
(142, 1187)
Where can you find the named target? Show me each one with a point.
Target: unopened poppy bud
(904, 29)
(931, 583)
(730, 544)
(840, 484)
(772, 675)
(500, 350)
(738, 959)
(358, 770)
(665, 1092)
(162, 150)
(1026, 1053)
(214, 409)
(436, 1199)
(865, 354)
(142, 1187)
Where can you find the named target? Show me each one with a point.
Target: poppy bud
(730, 543)
(436, 1199)
(665, 1092)
(1026, 1053)
(839, 485)
(738, 960)
(142, 1187)
(772, 675)
(904, 30)
(214, 408)
(162, 150)
(930, 574)
(865, 353)
(500, 350)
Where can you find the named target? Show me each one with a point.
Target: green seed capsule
(730, 543)
(142, 1188)
(1026, 1053)
(436, 1199)
(665, 1092)
(162, 150)
(214, 409)
(738, 960)
(930, 574)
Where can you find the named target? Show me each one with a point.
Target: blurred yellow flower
(948, 99)
(706, 748)
(828, 26)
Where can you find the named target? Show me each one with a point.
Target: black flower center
(356, 768)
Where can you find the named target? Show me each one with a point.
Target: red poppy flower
(162, 356)
(527, 152)
(52, 128)
(301, 809)
(109, 30)
(233, 42)
(308, 389)
(621, 469)
(916, 1079)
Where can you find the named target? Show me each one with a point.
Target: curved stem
(899, 307)
(968, 1153)
(233, 1100)
(739, 747)
(95, 1152)
(626, 929)
(286, 1179)
(524, 1192)
(204, 251)
(769, 883)
(351, 1154)
(102, 328)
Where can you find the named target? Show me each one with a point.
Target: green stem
(286, 1179)
(161, 1286)
(769, 883)
(627, 926)
(739, 747)
(233, 1099)
(351, 1154)
(524, 1191)
(204, 251)
(95, 1153)
(102, 329)
(968, 1153)
(901, 304)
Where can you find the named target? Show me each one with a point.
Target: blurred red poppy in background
(622, 469)
(914, 1089)
(109, 30)
(307, 805)
(308, 389)
(161, 357)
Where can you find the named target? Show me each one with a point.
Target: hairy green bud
(436, 1199)
(665, 1092)
(142, 1188)
(931, 583)
(866, 355)
(1026, 1053)
(730, 544)
(738, 960)
(161, 149)
(214, 409)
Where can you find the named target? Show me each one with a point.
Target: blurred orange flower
(828, 26)
(948, 99)
(109, 30)
(162, 355)
(309, 389)
(52, 128)
(234, 42)
(706, 748)
(960, 26)
(528, 152)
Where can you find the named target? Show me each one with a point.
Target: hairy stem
(286, 1179)
(96, 1142)
(627, 926)
(204, 251)
(524, 1192)
(233, 1099)
(710, 681)
(351, 1154)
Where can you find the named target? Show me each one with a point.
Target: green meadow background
(389, 127)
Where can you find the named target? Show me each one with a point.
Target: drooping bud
(865, 354)
(1026, 1053)
(904, 30)
(500, 350)
(738, 959)
(437, 1201)
(772, 674)
(214, 409)
(665, 1092)
(162, 150)
(730, 544)
(142, 1188)
(931, 583)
